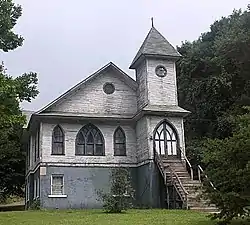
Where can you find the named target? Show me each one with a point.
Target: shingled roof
(155, 45)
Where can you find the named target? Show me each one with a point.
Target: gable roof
(126, 78)
(155, 45)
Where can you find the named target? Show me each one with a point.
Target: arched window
(89, 141)
(119, 142)
(165, 140)
(58, 141)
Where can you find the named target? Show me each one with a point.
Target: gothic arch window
(89, 141)
(166, 140)
(58, 141)
(119, 142)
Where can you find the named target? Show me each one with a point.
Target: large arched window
(119, 142)
(89, 141)
(58, 141)
(165, 140)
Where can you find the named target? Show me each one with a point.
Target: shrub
(121, 192)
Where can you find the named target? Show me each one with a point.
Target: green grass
(94, 217)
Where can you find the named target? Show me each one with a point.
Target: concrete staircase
(191, 190)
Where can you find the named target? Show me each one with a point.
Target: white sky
(66, 41)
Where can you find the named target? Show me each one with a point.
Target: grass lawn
(94, 217)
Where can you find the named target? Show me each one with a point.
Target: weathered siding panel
(150, 188)
(141, 79)
(71, 131)
(142, 140)
(162, 90)
(90, 98)
(35, 143)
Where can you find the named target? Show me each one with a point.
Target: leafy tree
(9, 14)
(13, 91)
(213, 75)
(213, 83)
(121, 192)
(213, 78)
(228, 166)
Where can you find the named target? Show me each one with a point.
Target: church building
(110, 120)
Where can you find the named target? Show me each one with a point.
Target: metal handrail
(201, 171)
(189, 164)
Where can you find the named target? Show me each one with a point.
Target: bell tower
(155, 71)
(159, 121)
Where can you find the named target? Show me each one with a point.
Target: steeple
(155, 45)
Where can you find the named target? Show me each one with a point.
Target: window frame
(53, 142)
(85, 131)
(119, 128)
(170, 138)
(52, 195)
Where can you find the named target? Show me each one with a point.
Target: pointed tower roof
(155, 45)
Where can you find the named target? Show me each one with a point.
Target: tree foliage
(214, 84)
(13, 91)
(228, 166)
(9, 14)
(213, 78)
(121, 192)
(12, 156)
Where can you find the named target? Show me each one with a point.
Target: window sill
(57, 196)
(90, 155)
(58, 154)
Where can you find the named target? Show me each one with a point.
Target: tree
(121, 192)
(213, 79)
(9, 14)
(213, 83)
(228, 166)
(13, 91)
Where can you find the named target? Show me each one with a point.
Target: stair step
(193, 187)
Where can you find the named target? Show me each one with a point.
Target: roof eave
(156, 56)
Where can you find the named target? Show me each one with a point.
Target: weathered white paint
(71, 130)
(141, 79)
(43, 171)
(90, 98)
(142, 140)
(161, 90)
(35, 140)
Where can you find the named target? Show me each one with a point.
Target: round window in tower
(160, 71)
(109, 88)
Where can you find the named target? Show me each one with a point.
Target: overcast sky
(66, 41)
